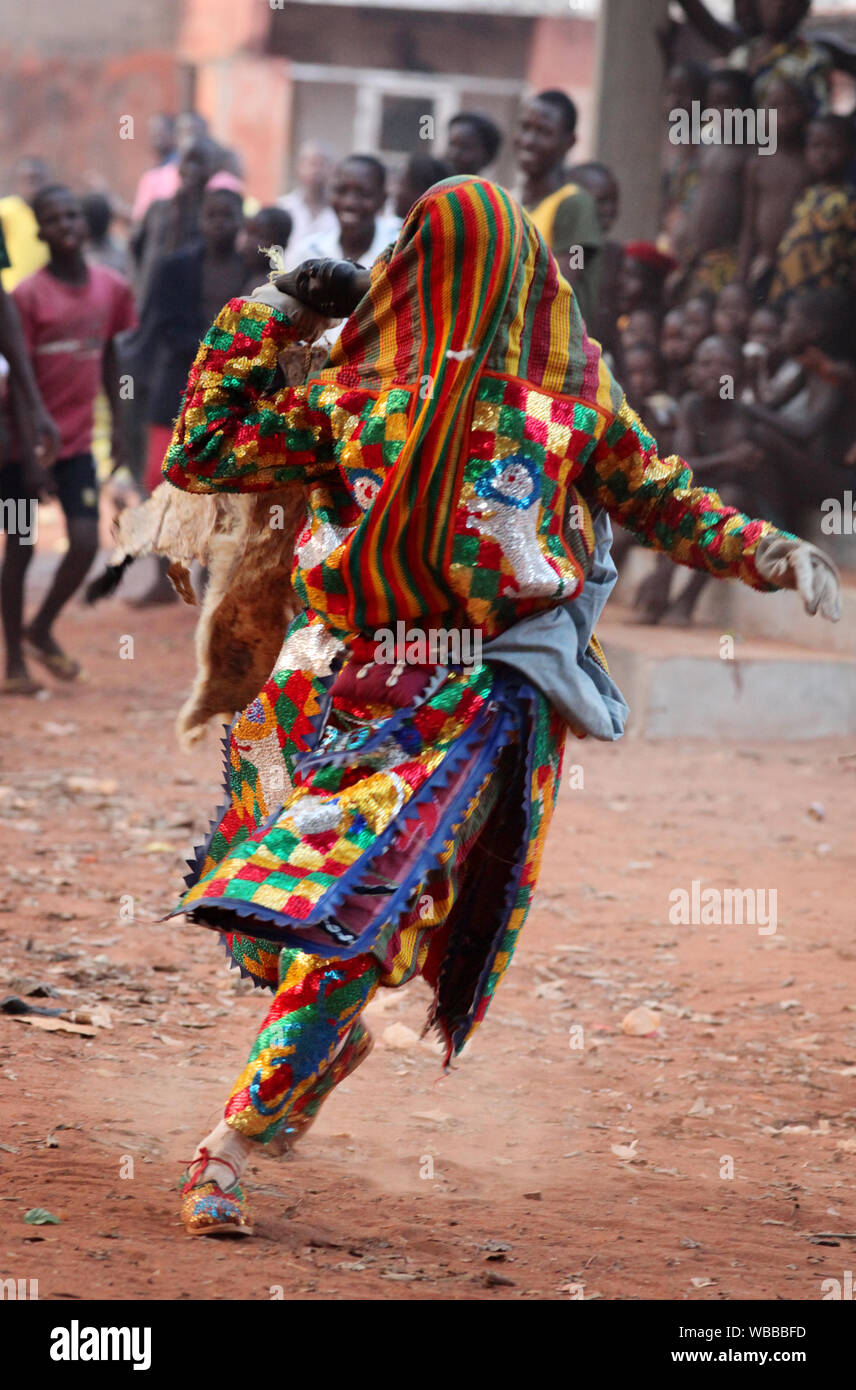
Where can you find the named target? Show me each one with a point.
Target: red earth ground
(562, 1157)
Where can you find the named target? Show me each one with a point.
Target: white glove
(308, 322)
(801, 566)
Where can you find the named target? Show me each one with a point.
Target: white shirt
(328, 245)
(304, 223)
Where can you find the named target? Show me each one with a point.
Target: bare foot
(226, 1152)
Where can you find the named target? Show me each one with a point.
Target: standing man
(25, 253)
(473, 142)
(24, 394)
(187, 290)
(308, 205)
(70, 314)
(563, 212)
(171, 223)
(161, 180)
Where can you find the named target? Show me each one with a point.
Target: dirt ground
(562, 1158)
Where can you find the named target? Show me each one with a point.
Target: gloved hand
(801, 566)
(334, 288)
(309, 323)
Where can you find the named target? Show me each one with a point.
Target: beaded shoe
(210, 1210)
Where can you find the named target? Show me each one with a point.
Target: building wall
(248, 102)
(511, 51)
(70, 112)
(427, 51)
(428, 42)
(71, 73)
(212, 29)
(88, 28)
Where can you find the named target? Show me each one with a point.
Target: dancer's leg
(310, 1040)
(315, 1009)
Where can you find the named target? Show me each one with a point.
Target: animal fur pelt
(249, 602)
(246, 541)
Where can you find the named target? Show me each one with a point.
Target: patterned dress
(386, 820)
(818, 251)
(794, 59)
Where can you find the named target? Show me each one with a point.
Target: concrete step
(699, 683)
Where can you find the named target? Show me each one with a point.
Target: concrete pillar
(217, 28)
(247, 101)
(629, 74)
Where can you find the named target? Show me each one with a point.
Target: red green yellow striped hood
(469, 287)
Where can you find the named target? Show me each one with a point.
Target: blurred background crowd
(730, 324)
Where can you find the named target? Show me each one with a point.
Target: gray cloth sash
(551, 650)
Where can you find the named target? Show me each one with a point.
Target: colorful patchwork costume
(384, 821)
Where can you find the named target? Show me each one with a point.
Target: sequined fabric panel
(523, 535)
(337, 810)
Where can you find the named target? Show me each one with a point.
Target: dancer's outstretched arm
(658, 502)
(240, 429)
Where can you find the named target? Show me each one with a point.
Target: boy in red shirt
(70, 314)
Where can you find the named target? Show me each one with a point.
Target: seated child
(713, 433)
(780, 50)
(676, 350)
(810, 433)
(640, 327)
(732, 312)
(644, 383)
(771, 376)
(711, 230)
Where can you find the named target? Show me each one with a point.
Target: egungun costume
(387, 802)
